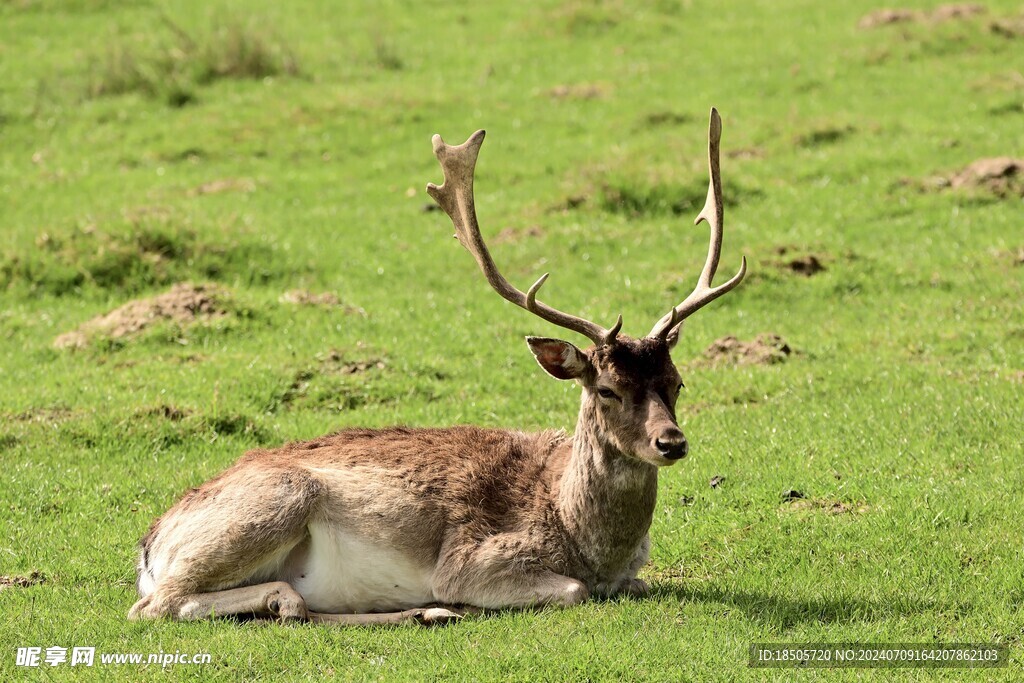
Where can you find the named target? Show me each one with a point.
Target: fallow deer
(383, 526)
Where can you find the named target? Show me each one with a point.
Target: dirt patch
(304, 297)
(168, 412)
(961, 10)
(571, 203)
(578, 91)
(36, 578)
(885, 17)
(185, 303)
(1008, 28)
(806, 264)
(44, 415)
(334, 361)
(513, 235)
(827, 505)
(766, 349)
(954, 11)
(224, 185)
(745, 153)
(825, 135)
(666, 118)
(1002, 176)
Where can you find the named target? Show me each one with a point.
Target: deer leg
(491, 576)
(275, 599)
(428, 616)
(505, 589)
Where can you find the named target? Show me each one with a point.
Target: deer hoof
(437, 616)
(636, 588)
(286, 604)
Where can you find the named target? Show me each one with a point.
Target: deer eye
(605, 392)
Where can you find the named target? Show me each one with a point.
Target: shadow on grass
(784, 611)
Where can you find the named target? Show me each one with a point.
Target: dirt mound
(513, 235)
(334, 361)
(304, 297)
(960, 10)
(827, 505)
(1002, 176)
(806, 264)
(885, 17)
(184, 303)
(766, 349)
(34, 579)
(1012, 27)
(220, 185)
(578, 91)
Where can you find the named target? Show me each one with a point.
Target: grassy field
(264, 148)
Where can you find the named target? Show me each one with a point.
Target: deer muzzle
(672, 444)
(666, 436)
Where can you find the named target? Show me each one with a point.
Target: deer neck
(606, 498)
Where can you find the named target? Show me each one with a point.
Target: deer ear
(673, 335)
(560, 359)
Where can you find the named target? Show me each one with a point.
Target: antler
(455, 196)
(712, 212)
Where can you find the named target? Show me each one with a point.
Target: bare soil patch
(1002, 176)
(334, 361)
(827, 505)
(579, 91)
(168, 412)
(745, 153)
(513, 235)
(824, 135)
(51, 415)
(224, 185)
(958, 10)
(884, 17)
(185, 303)
(953, 11)
(1009, 27)
(666, 118)
(806, 264)
(765, 349)
(304, 297)
(34, 579)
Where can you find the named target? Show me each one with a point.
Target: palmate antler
(713, 213)
(455, 196)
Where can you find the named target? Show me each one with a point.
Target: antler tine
(713, 213)
(455, 196)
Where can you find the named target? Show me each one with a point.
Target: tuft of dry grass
(174, 65)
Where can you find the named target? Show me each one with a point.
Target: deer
(425, 525)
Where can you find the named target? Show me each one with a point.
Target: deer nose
(672, 444)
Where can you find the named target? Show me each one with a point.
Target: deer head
(630, 386)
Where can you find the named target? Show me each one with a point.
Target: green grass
(267, 147)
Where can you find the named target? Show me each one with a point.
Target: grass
(898, 420)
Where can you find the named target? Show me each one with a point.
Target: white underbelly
(343, 573)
